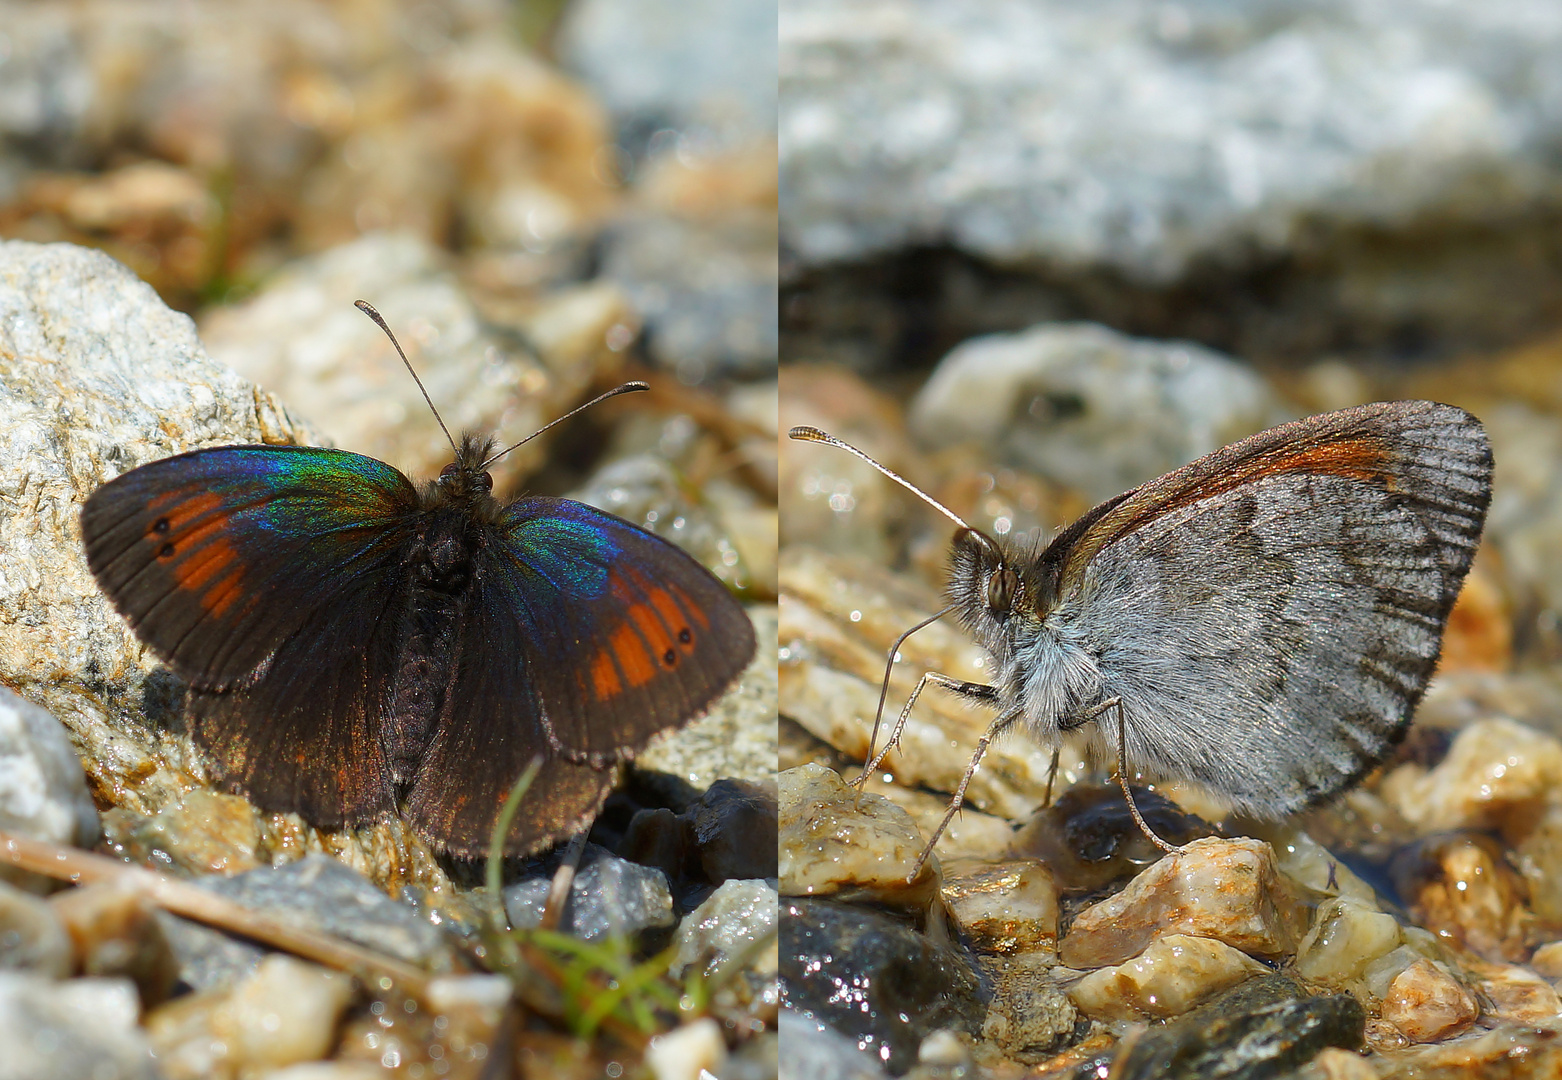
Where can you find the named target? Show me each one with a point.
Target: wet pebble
(1007, 907)
(205, 833)
(691, 1052)
(1262, 1028)
(1228, 890)
(1460, 886)
(727, 926)
(1347, 936)
(874, 979)
(1428, 1004)
(832, 844)
(1174, 974)
(1497, 774)
(78, 1029)
(608, 897)
(1519, 995)
(1029, 1014)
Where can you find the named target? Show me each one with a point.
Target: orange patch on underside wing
(604, 676)
(634, 658)
(1364, 458)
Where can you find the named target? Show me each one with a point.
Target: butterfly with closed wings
(355, 646)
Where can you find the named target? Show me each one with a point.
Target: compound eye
(1001, 587)
(485, 481)
(449, 471)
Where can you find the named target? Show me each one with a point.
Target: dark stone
(736, 832)
(874, 979)
(1260, 1029)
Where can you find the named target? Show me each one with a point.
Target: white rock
(1496, 767)
(726, 925)
(687, 1053)
(829, 847)
(1346, 936)
(1173, 975)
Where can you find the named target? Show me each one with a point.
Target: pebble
(285, 1011)
(1174, 974)
(116, 931)
(725, 927)
(1519, 995)
(691, 1052)
(831, 847)
(1029, 1015)
(734, 827)
(43, 794)
(1332, 1063)
(1083, 405)
(1007, 907)
(1460, 886)
(1346, 936)
(1228, 890)
(1497, 774)
(78, 1029)
(205, 833)
(1428, 1004)
(1090, 839)
(1537, 855)
(874, 979)
(1260, 1028)
(610, 897)
(33, 937)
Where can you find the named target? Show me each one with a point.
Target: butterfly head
(999, 592)
(464, 481)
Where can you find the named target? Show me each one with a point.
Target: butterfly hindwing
(1309, 577)
(304, 733)
(217, 556)
(563, 652)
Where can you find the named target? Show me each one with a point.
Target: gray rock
(43, 793)
(100, 377)
(79, 1029)
(1091, 408)
(316, 893)
(706, 290)
(711, 63)
(1142, 138)
(716, 933)
(811, 1050)
(609, 897)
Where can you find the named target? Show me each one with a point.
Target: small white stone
(286, 1011)
(1332, 1063)
(723, 927)
(688, 1053)
(1173, 975)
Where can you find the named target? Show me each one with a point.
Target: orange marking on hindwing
(632, 655)
(604, 676)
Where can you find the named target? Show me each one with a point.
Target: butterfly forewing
(216, 556)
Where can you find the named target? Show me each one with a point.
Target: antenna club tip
(634, 387)
(804, 433)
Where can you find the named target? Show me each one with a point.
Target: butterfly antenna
(813, 434)
(368, 309)
(626, 388)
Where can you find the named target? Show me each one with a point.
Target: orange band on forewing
(633, 658)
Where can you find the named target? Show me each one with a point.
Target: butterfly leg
(1122, 772)
(1052, 774)
(878, 714)
(998, 727)
(974, 691)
